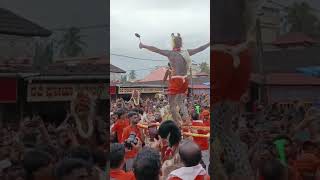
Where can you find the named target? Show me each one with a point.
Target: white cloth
(188, 173)
(206, 158)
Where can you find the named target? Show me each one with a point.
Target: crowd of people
(160, 149)
(36, 149)
(282, 140)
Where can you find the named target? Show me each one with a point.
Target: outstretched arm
(154, 49)
(199, 49)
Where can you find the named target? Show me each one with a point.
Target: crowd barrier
(145, 126)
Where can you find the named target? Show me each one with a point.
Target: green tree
(204, 67)
(302, 19)
(43, 54)
(124, 79)
(71, 44)
(132, 75)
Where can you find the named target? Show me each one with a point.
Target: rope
(184, 133)
(158, 124)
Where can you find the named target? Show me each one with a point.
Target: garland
(88, 134)
(136, 100)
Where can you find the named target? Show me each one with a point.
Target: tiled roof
(288, 60)
(12, 24)
(156, 75)
(199, 86)
(115, 69)
(293, 38)
(287, 79)
(75, 66)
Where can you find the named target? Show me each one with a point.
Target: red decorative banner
(113, 90)
(8, 90)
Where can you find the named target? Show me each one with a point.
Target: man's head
(37, 164)
(309, 147)
(81, 152)
(147, 165)
(64, 137)
(190, 153)
(70, 169)
(169, 130)
(176, 40)
(195, 116)
(120, 113)
(134, 117)
(273, 170)
(117, 152)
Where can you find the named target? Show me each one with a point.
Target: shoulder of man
(130, 175)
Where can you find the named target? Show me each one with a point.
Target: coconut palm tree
(43, 54)
(124, 79)
(71, 44)
(132, 75)
(204, 67)
(302, 19)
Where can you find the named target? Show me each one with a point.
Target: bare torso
(178, 64)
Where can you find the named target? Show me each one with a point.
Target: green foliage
(71, 44)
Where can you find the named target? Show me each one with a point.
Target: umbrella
(310, 71)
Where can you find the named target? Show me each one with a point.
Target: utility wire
(142, 59)
(130, 57)
(141, 69)
(98, 26)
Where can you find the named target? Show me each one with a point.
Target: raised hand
(141, 45)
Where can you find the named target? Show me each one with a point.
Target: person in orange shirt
(120, 124)
(132, 137)
(205, 115)
(117, 162)
(190, 155)
(203, 143)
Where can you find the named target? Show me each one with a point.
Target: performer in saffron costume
(180, 62)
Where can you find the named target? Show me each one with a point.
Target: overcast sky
(155, 21)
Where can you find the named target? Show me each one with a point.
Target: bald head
(190, 153)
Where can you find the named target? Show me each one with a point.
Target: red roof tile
(287, 79)
(156, 75)
(197, 86)
(201, 74)
(293, 38)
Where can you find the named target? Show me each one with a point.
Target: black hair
(272, 170)
(81, 152)
(138, 110)
(51, 150)
(117, 152)
(34, 160)
(308, 145)
(30, 140)
(170, 127)
(100, 158)
(66, 166)
(120, 112)
(147, 165)
(190, 154)
(195, 116)
(132, 113)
